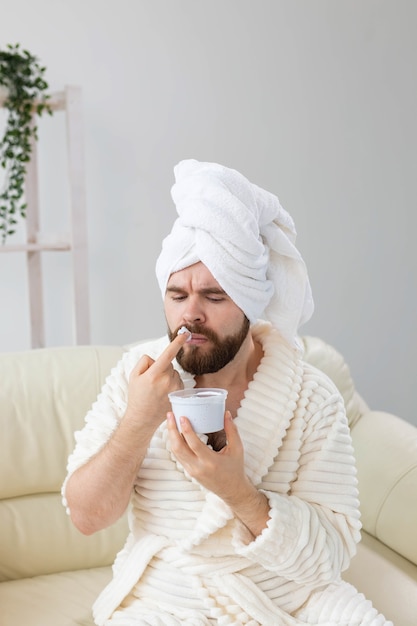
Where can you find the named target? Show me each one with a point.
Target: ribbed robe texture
(187, 560)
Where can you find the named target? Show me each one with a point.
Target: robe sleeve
(107, 411)
(313, 529)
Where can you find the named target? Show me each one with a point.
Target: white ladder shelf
(70, 101)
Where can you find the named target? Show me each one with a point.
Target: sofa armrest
(386, 456)
(44, 396)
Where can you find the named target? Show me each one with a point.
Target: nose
(193, 312)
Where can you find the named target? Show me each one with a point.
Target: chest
(234, 399)
(217, 440)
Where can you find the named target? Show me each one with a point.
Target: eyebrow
(204, 291)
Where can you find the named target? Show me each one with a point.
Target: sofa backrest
(327, 359)
(44, 396)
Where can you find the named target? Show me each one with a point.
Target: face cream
(184, 330)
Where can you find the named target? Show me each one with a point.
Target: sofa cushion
(37, 536)
(44, 397)
(63, 599)
(387, 579)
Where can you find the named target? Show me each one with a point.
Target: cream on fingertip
(184, 330)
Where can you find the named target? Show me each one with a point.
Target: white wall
(313, 99)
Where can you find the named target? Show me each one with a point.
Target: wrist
(139, 424)
(252, 508)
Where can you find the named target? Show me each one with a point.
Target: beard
(196, 362)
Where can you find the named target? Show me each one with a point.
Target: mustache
(198, 330)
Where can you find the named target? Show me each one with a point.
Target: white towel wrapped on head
(246, 240)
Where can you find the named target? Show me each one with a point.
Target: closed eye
(214, 294)
(215, 299)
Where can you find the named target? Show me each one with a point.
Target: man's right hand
(149, 384)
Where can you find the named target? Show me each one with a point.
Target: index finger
(170, 352)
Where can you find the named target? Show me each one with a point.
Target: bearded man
(253, 524)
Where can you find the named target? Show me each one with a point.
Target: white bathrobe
(187, 560)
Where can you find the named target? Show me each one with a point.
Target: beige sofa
(50, 574)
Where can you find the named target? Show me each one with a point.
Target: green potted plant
(23, 91)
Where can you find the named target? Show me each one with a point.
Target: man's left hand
(221, 472)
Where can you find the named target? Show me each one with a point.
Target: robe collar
(263, 419)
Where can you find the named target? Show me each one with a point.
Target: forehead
(196, 276)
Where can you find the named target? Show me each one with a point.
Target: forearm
(99, 491)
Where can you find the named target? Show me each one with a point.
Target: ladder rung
(36, 247)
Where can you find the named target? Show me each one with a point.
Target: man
(254, 524)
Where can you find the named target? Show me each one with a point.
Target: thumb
(144, 363)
